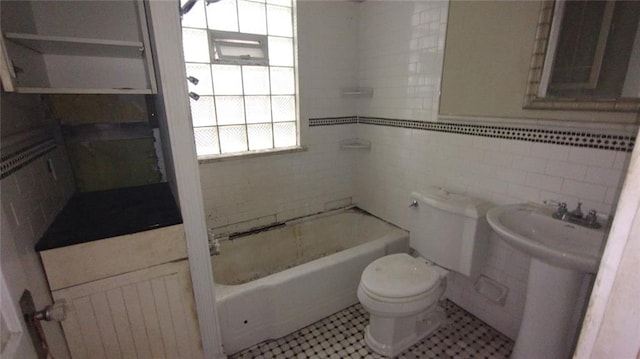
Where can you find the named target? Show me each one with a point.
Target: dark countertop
(96, 215)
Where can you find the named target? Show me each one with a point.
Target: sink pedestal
(547, 329)
(563, 256)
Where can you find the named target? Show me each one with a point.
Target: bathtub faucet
(214, 242)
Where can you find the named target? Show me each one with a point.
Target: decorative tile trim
(15, 160)
(327, 121)
(575, 138)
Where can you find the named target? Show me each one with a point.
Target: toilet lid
(398, 276)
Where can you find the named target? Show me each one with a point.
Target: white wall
(31, 198)
(611, 327)
(400, 56)
(256, 191)
(486, 68)
(397, 48)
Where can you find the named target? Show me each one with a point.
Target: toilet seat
(399, 278)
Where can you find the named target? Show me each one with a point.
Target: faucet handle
(561, 211)
(562, 207)
(578, 211)
(592, 219)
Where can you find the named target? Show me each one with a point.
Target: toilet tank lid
(453, 202)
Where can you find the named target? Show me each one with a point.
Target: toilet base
(391, 336)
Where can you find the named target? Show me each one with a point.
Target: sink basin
(563, 256)
(531, 229)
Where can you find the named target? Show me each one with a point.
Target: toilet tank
(450, 230)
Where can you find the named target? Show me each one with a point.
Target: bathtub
(274, 282)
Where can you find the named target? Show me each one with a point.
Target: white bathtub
(275, 282)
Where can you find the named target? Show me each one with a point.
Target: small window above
(238, 48)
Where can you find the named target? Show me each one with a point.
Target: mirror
(586, 57)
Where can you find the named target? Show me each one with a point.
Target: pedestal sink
(562, 254)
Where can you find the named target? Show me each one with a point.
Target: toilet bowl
(401, 292)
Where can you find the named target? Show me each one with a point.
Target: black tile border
(328, 121)
(575, 138)
(16, 160)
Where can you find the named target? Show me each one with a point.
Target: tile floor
(340, 336)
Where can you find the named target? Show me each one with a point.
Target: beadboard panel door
(148, 313)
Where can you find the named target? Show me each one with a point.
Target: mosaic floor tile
(340, 336)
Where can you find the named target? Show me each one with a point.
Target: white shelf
(357, 92)
(77, 47)
(64, 45)
(56, 90)
(355, 144)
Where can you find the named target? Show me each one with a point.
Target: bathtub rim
(226, 291)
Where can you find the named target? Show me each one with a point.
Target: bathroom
(479, 77)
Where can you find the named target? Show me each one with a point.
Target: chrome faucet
(561, 212)
(592, 219)
(213, 240)
(575, 216)
(576, 213)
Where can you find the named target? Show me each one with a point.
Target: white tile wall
(262, 190)
(258, 191)
(400, 52)
(399, 58)
(30, 199)
(397, 49)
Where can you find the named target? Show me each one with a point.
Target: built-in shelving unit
(46, 48)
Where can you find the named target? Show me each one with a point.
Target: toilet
(448, 232)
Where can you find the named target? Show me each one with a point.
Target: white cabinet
(128, 296)
(76, 47)
(148, 313)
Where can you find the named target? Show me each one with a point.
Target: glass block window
(242, 53)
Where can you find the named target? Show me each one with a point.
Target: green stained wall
(109, 140)
(104, 165)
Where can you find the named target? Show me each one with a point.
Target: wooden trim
(533, 100)
(90, 261)
(7, 75)
(165, 31)
(148, 54)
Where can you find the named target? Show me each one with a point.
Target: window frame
(535, 97)
(596, 63)
(213, 149)
(219, 38)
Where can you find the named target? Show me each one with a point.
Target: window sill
(250, 154)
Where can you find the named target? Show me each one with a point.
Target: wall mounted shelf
(355, 144)
(357, 91)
